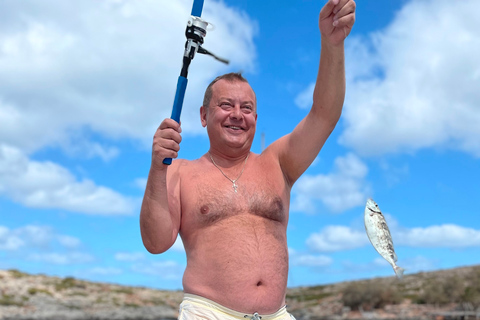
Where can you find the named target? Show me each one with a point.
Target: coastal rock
(38, 297)
(444, 294)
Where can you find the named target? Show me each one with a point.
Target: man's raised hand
(336, 20)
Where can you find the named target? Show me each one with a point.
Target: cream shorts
(194, 307)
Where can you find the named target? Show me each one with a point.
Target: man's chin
(237, 142)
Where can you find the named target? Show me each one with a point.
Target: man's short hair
(231, 77)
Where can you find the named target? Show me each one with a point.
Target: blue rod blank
(197, 8)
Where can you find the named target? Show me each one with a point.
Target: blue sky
(83, 86)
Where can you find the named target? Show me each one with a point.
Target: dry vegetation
(434, 289)
(415, 296)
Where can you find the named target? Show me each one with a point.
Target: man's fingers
(166, 141)
(168, 134)
(327, 9)
(341, 11)
(170, 123)
(166, 144)
(340, 4)
(345, 22)
(159, 154)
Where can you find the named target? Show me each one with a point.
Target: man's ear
(203, 116)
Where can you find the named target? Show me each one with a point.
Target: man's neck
(228, 159)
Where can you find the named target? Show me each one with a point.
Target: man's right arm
(160, 214)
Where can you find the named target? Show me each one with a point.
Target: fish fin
(398, 271)
(394, 256)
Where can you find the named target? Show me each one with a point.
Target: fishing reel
(196, 31)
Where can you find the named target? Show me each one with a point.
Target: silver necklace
(234, 182)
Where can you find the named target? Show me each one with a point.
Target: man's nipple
(204, 209)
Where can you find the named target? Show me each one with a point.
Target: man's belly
(241, 263)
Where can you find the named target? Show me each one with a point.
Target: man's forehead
(229, 89)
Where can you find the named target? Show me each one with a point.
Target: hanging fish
(379, 235)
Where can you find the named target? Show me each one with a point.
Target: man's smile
(234, 127)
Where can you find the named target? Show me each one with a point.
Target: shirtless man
(231, 206)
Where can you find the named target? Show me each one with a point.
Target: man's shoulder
(185, 164)
(183, 169)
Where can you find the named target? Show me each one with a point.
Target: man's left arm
(297, 150)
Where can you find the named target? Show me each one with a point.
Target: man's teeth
(232, 127)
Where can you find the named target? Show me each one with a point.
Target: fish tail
(398, 271)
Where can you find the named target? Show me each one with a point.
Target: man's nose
(236, 112)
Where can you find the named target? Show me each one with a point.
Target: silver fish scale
(379, 234)
(384, 243)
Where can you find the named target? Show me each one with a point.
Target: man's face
(231, 117)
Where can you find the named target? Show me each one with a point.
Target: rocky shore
(40, 297)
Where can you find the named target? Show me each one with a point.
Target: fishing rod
(195, 32)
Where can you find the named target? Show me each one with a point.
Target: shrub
(9, 300)
(124, 290)
(66, 283)
(449, 290)
(34, 291)
(17, 274)
(369, 296)
(472, 291)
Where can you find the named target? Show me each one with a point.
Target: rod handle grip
(177, 105)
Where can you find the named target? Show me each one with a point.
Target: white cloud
(178, 245)
(48, 185)
(80, 147)
(42, 244)
(380, 262)
(109, 69)
(371, 268)
(394, 174)
(438, 236)
(61, 258)
(446, 235)
(308, 260)
(108, 271)
(35, 237)
(38, 237)
(129, 256)
(340, 238)
(82, 81)
(336, 238)
(140, 183)
(9, 241)
(304, 99)
(68, 241)
(409, 90)
(419, 263)
(169, 269)
(340, 190)
(409, 264)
